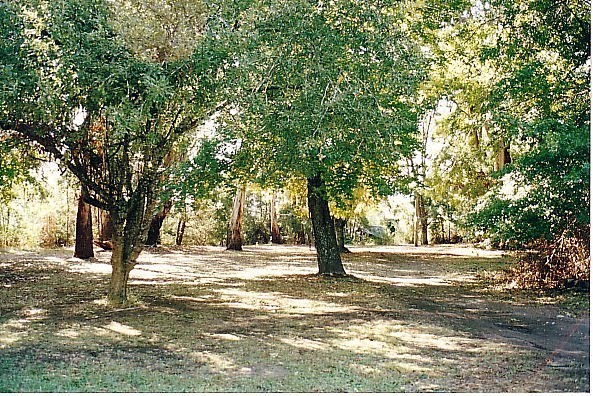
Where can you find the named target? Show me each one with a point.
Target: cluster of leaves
(528, 72)
(323, 93)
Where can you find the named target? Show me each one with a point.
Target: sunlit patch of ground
(207, 320)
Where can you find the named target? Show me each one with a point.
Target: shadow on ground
(254, 321)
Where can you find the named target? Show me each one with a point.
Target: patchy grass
(206, 320)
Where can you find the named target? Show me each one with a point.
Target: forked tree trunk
(154, 232)
(340, 225)
(234, 240)
(130, 228)
(329, 260)
(127, 245)
(83, 247)
(274, 227)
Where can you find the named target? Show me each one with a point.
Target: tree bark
(120, 272)
(234, 238)
(180, 231)
(154, 232)
(503, 157)
(131, 220)
(421, 223)
(274, 227)
(106, 231)
(328, 253)
(83, 247)
(340, 225)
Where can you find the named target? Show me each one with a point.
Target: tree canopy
(331, 95)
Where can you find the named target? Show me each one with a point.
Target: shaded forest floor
(206, 320)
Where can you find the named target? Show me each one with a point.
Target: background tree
(517, 76)
(234, 237)
(83, 247)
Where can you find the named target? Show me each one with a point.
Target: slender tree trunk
(234, 239)
(503, 157)
(340, 225)
(301, 236)
(154, 232)
(180, 231)
(274, 227)
(421, 220)
(131, 221)
(324, 233)
(83, 247)
(127, 239)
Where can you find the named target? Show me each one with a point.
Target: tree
(75, 78)
(323, 96)
(276, 236)
(234, 237)
(106, 226)
(83, 247)
(517, 74)
(154, 230)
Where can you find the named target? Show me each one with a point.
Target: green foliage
(515, 76)
(15, 164)
(321, 92)
(41, 211)
(545, 193)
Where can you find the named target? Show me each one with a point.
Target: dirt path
(410, 319)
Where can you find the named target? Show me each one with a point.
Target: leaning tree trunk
(340, 225)
(274, 227)
(154, 232)
(83, 247)
(234, 239)
(324, 233)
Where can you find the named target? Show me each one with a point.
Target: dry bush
(564, 262)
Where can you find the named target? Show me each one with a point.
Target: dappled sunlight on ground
(439, 251)
(276, 302)
(18, 328)
(207, 320)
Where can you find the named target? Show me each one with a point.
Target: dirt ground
(207, 320)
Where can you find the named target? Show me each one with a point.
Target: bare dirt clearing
(410, 319)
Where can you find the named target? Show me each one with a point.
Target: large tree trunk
(154, 232)
(274, 227)
(130, 228)
(83, 247)
(122, 263)
(234, 240)
(340, 225)
(421, 223)
(328, 252)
